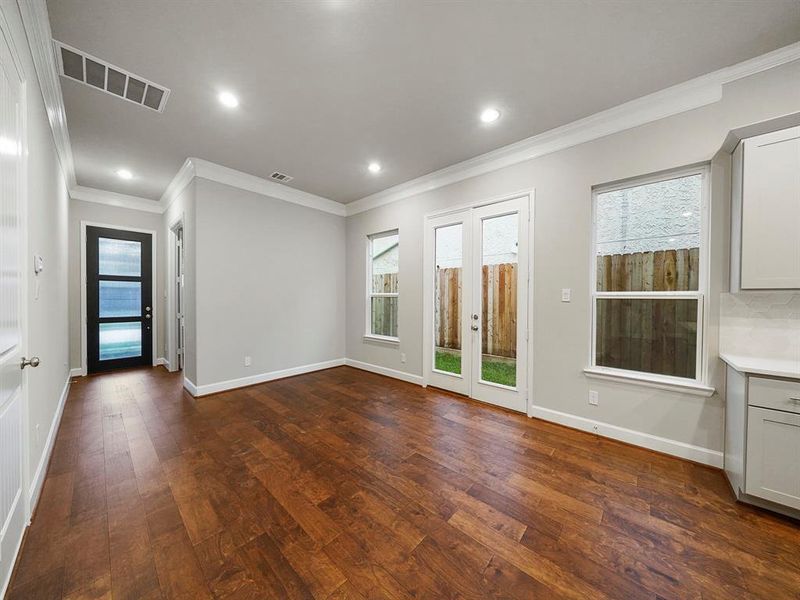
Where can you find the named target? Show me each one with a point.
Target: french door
(119, 300)
(476, 295)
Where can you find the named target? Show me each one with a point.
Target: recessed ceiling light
(374, 167)
(490, 115)
(228, 99)
(688, 213)
(124, 174)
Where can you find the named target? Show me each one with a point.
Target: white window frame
(368, 334)
(697, 385)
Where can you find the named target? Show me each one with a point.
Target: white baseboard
(230, 384)
(41, 470)
(77, 372)
(402, 376)
(190, 386)
(698, 454)
(162, 361)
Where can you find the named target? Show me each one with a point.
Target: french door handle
(474, 328)
(147, 316)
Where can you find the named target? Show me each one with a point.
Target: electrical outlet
(566, 294)
(248, 360)
(402, 357)
(594, 398)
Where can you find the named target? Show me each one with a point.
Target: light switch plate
(566, 294)
(594, 397)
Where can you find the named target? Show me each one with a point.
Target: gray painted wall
(562, 238)
(269, 284)
(120, 217)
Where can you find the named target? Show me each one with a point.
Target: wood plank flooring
(345, 484)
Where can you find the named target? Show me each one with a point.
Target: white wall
(119, 217)
(269, 284)
(562, 226)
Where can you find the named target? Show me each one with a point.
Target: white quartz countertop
(763, 366)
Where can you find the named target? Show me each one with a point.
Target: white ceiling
(327, 86)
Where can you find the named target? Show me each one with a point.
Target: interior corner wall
(105, 214)
(562, 223)
(269, 285)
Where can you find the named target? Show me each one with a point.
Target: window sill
(382, 339)
(651, 381)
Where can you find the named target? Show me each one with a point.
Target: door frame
(84, 316)
(428, 285)
(172, 301)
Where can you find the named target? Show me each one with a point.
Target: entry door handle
(474, 328)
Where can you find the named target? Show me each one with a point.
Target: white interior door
(12, 335)
(476, 292)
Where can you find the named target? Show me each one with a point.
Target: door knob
(474, 328)
(33, 361)
(147, 316)
(147, 308)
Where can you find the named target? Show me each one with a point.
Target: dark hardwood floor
(345, 484)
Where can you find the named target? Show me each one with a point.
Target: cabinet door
(771, 211)
(773, 456)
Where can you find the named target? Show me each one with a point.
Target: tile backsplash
(761, 325)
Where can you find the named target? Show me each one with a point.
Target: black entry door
(119, 299)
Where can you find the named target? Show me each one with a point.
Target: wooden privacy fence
(384, 318)
(499, 309)
(659, 271)
(652, 335)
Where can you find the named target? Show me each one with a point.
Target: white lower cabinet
(773, 456)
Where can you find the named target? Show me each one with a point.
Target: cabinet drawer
(773, 456)
(777, 394)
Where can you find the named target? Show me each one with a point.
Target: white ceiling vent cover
(90, 70)
(282, 177)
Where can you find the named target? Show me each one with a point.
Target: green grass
(499, 371)
(448, 361)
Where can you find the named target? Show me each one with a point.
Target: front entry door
(119, 300)
(477, 298)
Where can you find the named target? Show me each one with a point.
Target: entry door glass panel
(499, 274)
(448, 299)
(120, 340)
(119, 257)
(119, 299)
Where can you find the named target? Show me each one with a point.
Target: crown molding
(37, 29)
(252, 183)
(87, 194)
(695, 93)
(179, 182)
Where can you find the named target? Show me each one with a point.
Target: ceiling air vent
(92, 71)
(282, 177)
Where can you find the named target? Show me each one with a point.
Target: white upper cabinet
(770, 242)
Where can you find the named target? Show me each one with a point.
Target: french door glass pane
(499, 266)
(447, 301)
(649, 335)
(120, 340)
(120, 299)
(384, 315)
(120, 257)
